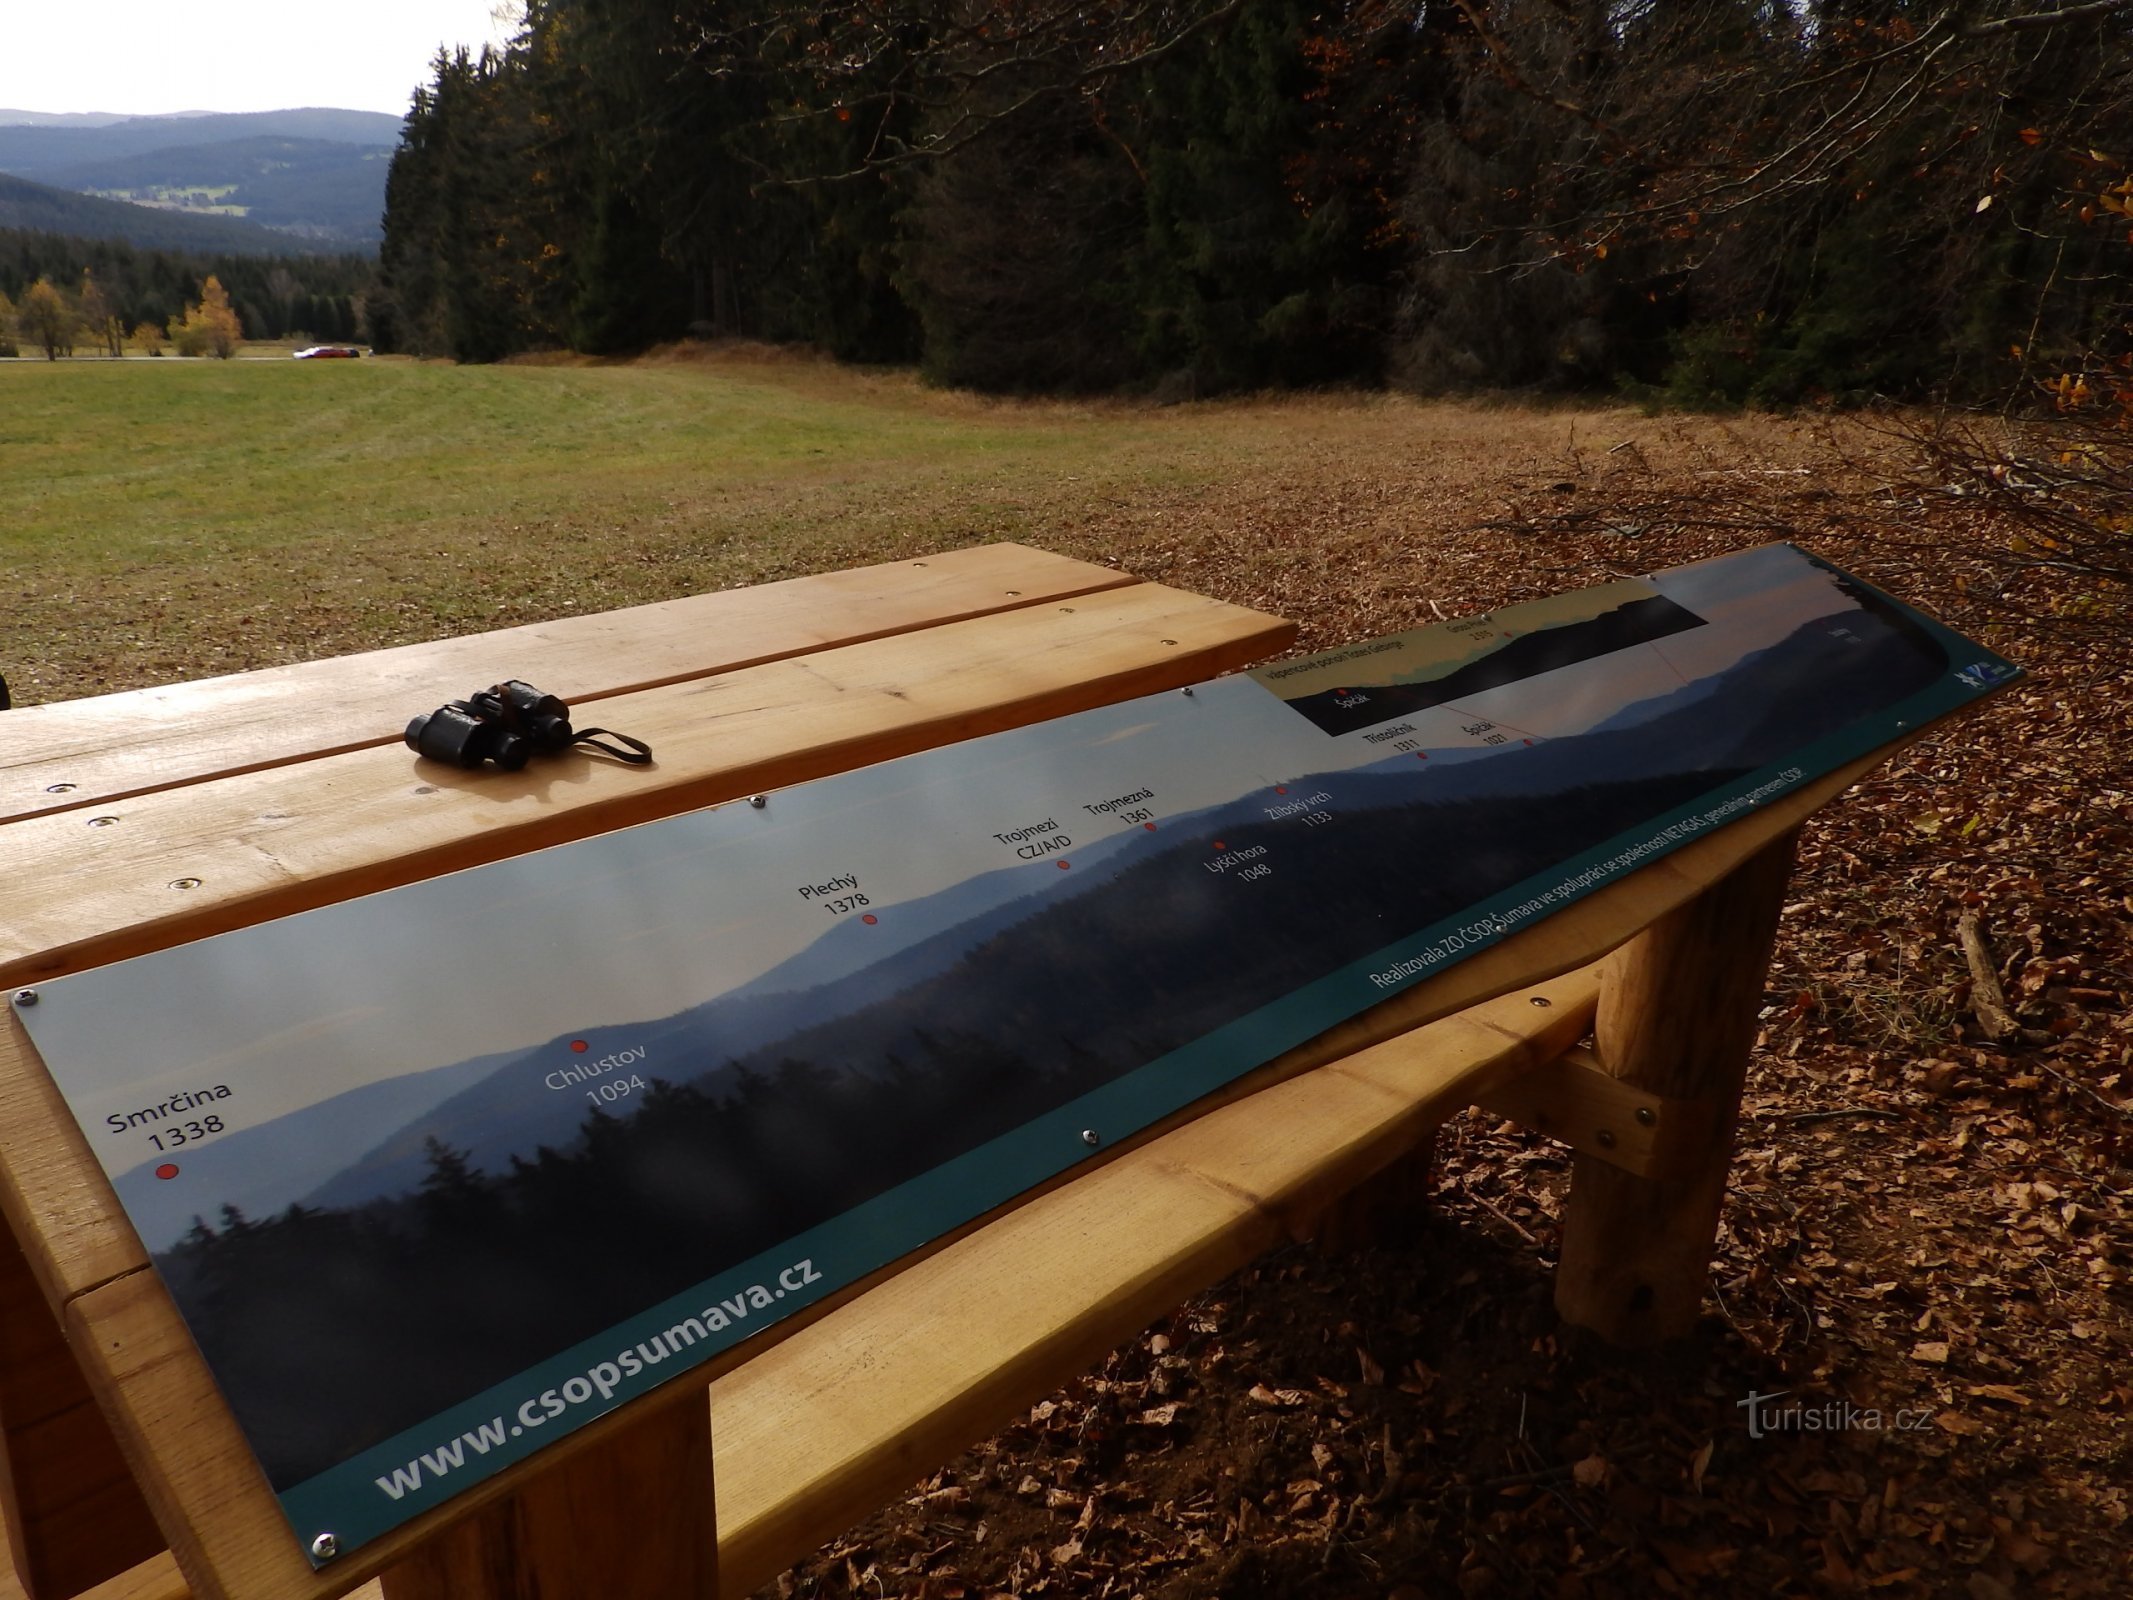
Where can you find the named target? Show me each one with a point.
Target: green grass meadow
(162, 520)
(165, 519)
(209, 458)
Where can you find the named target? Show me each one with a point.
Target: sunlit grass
(167, 519)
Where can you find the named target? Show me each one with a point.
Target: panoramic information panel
(438, 1175)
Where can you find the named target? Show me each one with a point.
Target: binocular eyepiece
(509, 724)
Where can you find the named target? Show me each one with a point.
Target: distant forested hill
(43, 150)
(313, 175)
(303, 188)
(319, 295)
(41, 208)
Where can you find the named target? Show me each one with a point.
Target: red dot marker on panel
(1149, 826)
(1064, 865)
(1421, 755)
(1281, 788)
(1529, 741)
(869, 919)
(168, 1169)
(580, 1046)
(1219, 845)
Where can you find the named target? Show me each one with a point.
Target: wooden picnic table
(133, 822)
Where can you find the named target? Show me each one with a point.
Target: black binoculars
(509, 724)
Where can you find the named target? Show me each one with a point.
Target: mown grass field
(329, 506)
(169, 519)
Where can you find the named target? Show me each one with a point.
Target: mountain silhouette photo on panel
(1526, 656)
(507, 1220)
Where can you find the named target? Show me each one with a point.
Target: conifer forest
(1776, 201)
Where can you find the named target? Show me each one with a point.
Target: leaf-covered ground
(1927, 1226)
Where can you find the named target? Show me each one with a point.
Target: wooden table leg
(1677, 1019)
(74, 1515)
(631, 1516)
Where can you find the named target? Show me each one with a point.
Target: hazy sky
(145, 59)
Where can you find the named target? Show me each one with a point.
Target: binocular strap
(639, 754)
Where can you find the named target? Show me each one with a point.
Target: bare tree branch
(2023, 22)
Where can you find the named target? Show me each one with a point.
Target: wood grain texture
(1677, 1018)
(181, 864)
(67, 1499)
(112, 746)
(158, 1578)
(1575, 1100)
(632, 1516)
(13, 1585)
(59, 1205)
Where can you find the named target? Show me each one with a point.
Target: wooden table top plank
(111, 746)
(56, 1198)
(78, 891)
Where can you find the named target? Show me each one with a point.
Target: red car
(328, 352)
